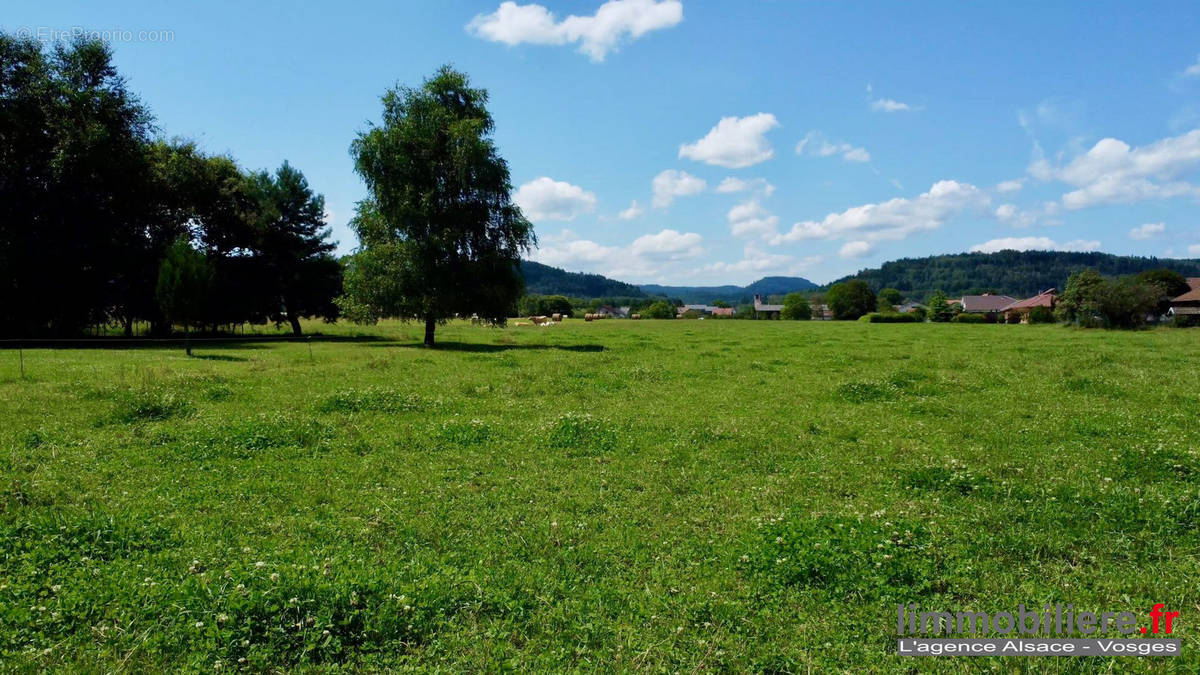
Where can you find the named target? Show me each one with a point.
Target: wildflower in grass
(199, 624)
(274, 576)
(260, 564)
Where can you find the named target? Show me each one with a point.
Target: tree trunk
(187, 338)
(295, 320)
(129, 326)
(430, 325)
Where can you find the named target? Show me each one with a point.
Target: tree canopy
(850, 299)
(91, 202)
(440, 235)
(796, 307)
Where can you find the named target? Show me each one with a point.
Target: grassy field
(655, 495)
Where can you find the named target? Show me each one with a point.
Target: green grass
(666, 496)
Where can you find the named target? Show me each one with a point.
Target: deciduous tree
(440, 235)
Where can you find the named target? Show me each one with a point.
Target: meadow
(615, 495)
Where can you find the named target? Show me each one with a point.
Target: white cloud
(1194, 249)
(1194, 69)
(548, 199)
(664, 255)
(758, 262)
(736, 142)
(671, 184)
(632, 212)
(855, 249)
(893, 219)
(889, 105)
(751, 219)
(1113, 172)
(1009, 213)
(1010, 185)
(1033, 244)
(815, 144)
(760, 185)
(597, 34)
(1147, 231)
(669, 244)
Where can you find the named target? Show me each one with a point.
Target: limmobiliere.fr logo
(1031, 628)
(1058, 619)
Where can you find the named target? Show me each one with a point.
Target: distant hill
(1015, 273)
(732, 294)
(547, 280)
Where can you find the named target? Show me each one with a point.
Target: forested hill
(1016, 273)
(546, 280)
(734, 294)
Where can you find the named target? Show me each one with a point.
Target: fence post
(308, 339)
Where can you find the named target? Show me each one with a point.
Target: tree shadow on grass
(476, 347)
(218, 357)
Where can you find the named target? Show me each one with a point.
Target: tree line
(1017, 273)
(104, 222)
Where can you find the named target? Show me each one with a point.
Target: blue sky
(756, 138)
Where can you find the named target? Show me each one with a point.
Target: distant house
(765, 311)
(1046, 298)
(822, 313)
(908, 307)
(1187, 304)
(699, 309)
(722, 311)
(987, 304)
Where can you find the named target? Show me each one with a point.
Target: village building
(1022, 308)
(908, 307)
(987, 304)
(1187, 304)
(764, 311)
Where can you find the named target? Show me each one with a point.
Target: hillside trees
(440, 235)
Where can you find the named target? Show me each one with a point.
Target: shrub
(969, 318)
(1041, 315)
(890, 317)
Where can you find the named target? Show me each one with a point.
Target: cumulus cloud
(735, 143)
(758, 262)
(659, 255)
(759, 185)
(632, 212)
(889, 105)
(894, 219)
(1010, 185)
(1010, 214)
(854, 249)
(815, 144)
(670, 244)
(597, 35)
(671, 184)
(751, 219)
(548, 199)
(1147, 231)
(1113, 172)
(1033, 244)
